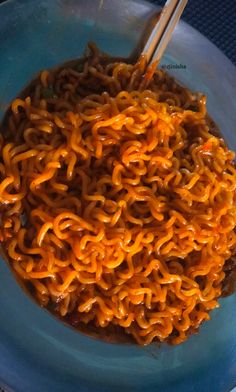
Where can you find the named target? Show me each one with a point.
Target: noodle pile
(117, 204)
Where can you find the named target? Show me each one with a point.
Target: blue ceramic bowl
(37, 352)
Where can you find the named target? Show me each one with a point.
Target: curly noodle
(117, 203)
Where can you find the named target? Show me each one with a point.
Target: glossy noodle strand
(117, 203)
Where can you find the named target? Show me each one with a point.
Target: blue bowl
(39, 353)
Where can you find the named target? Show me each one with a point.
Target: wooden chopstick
(158, 29)
(169, 28)
(161, 35)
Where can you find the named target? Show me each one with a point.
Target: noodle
(117, 203)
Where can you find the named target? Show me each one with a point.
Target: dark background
(216, 19)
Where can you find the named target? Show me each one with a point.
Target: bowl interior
(35, 348)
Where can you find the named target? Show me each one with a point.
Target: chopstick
(161, 35)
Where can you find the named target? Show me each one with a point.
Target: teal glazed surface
(37, 352)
